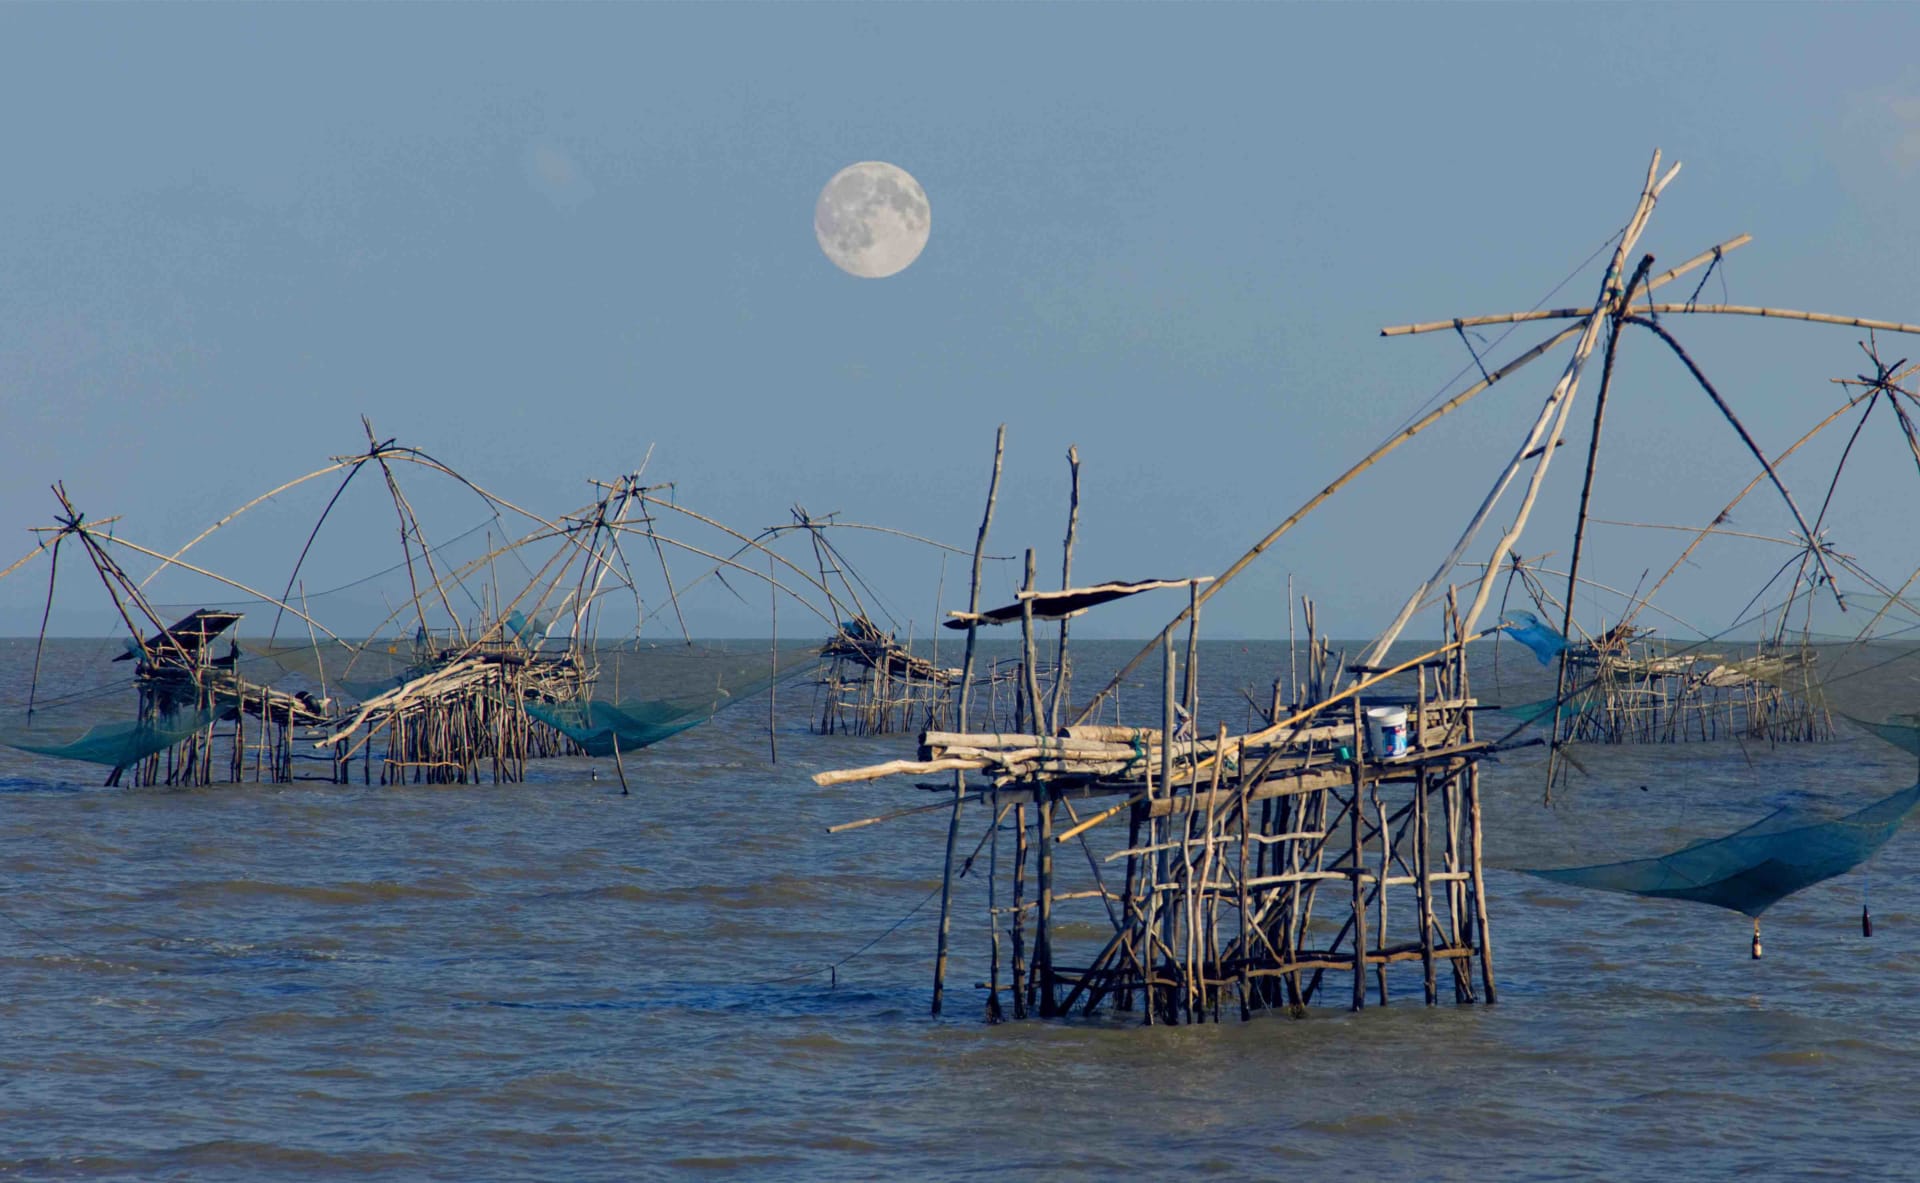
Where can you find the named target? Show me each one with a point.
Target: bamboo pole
(1711, 255)
(1885, 326)
(1738, 427)
(1318, 499)
(993, 901)
(353, 470)
(619, 764)
(773, 672)
(1245, 907)
(936, 714)
(1036, 704)
(1480, 881)
(1423, 876)
(1043, 930)
(1061, 678)
(1190, 690)
(1019, 933)
(1580, 519)
(966, 682)
(1168, 911)
(1649, 197)
(1543, 437)
(235, 584)
(1359, 866)
(24, 559)
(40, 644)
(1380, 892)
(1293, 657)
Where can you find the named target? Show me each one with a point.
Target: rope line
(833, 968)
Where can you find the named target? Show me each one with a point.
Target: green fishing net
(1833, 821)
(645, 695)
(114, 745)
(1752, 869)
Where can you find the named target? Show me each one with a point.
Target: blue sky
(537, 240)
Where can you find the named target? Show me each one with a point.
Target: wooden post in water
(966, 685)
(1480, 884)
(619, 764)
(1043, 934)
(773, 666)
(1019, 912)
(993, 910)
(1359, 863)
(1160, 861)
(1423, 879)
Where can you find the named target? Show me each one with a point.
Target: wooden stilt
(966, 683)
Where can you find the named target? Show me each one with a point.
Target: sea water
(552, 981)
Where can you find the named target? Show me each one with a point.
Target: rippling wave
(548, 981)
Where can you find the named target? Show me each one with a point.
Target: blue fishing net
(1532, 632)
(1751, 870)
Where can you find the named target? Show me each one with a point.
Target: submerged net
(602, 728)
(1755, 868)
(1836, 813)
(113, 745)
(645, 695)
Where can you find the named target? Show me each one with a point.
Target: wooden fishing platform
(462, 709)
(871, 683)
(1250, 865)
(1640, 694)
(176, 674)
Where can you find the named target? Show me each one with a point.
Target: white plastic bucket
(1387, 735)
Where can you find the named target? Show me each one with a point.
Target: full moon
(872, 219)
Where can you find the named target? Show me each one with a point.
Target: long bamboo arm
(757, 574)
(1658, 281)
(416, 456)
(1750, 486)
(269, 495)
(1467, 322)
(1610, 294)
(1825, 318)
(166, 561)
(933, 542)
(23, 560)
(1314, 502)
(753, 543)
(1753, 447)
(1541, 440)
(1697, 529)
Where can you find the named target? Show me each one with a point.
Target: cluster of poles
(1236, 846)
